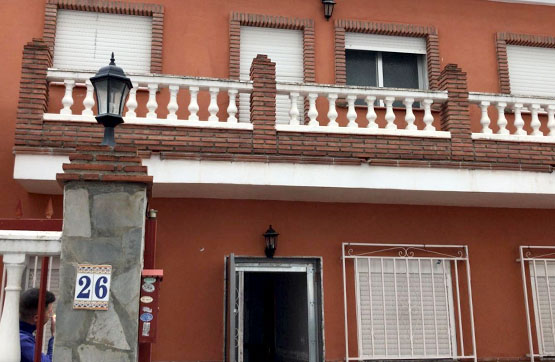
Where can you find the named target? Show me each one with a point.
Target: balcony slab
(365, 183)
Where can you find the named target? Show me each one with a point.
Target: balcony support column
(263, 104)
(455, 114)
(33, 89)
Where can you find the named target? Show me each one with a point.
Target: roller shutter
(85, 40)
(531, 70)
(385, 43)
(404, 308)
(542, 274)
(285, 48)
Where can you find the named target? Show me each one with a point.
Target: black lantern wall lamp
(271, 237)
(111, 87)
(328, 8)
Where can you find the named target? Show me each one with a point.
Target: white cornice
(365, 183)
(528, 2)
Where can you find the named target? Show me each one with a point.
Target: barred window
(539, 286)
(408, 302)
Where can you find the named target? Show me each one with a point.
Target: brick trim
(455, 115)
(244, 19)
(33, 92)
(343, 26)
(504, 39)
(112, 7)
(104, 163)
(263, 104)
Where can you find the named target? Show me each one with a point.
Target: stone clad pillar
(105, 201)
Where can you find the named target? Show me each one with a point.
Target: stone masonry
(105, 201)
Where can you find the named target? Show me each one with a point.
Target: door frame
(312, 266)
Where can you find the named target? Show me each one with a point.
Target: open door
(273, 310)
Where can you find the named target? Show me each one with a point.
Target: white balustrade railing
(153, 84)
(515, 131)
(15, 247)
(404, 126)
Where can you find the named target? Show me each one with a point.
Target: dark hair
(29, 302)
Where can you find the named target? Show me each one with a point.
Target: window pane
(102, 96)
(361, 67)
(400, 70)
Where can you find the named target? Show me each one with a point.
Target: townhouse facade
(403, 151)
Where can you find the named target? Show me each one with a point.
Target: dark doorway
(275, 317)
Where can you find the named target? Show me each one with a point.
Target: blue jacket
(27, 340)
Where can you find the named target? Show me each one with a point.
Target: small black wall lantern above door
(111, 87)
(271, 237)
(328, 8)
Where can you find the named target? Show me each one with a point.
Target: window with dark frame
(375, 60)
(384, 69)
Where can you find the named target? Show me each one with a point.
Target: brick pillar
(105, 201)
(455, 115)
(33, 91)
(263, 104)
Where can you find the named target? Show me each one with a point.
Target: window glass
(400, 70)
(362, 67)
(384, 69)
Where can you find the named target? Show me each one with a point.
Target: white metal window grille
(408, 301)
(84, 41)
(381, 49)
(538, 280)
(531, 70)
(285, 48)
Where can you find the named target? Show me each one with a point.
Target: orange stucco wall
(196, 43)
(195, 235)
(20, 21)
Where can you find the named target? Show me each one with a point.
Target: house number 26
(92, 287)
(100, 290)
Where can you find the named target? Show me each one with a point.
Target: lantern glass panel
(123, 98)
(117, 91)
(102, 95)
(328, 9)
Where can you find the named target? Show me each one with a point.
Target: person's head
(29, 305)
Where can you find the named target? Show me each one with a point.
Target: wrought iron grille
(537, 265)
(409, 301)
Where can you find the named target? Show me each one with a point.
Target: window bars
(538, 281)
(408, 301)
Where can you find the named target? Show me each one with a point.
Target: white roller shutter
(543, 291)
(404, 314)
(531, 70)
(285, 48)
(85, 40)
(385, 43)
